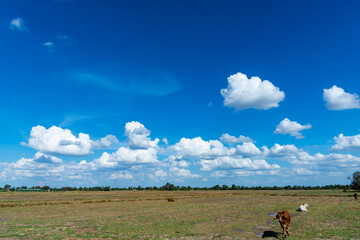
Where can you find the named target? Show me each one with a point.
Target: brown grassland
(192, 215)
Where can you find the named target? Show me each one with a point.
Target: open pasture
(192, 215)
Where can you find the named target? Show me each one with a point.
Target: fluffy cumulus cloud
(41, 165)
(105, 141)
(243, 93)
(228, 162)
(18, 25)
(227, 138)
(281, 150)
(337, 99)
(346, 143)
(141, 150)
(160, 173)
(183, 173)
(198, 148)
(138, 136)
(291, 127)
(318, 162)
(143, 160)
(126, 157)
(335, 162)
(174, 161)
(247, 149)
(56, 140)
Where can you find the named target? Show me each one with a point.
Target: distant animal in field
(284, 220)
(171, 200)
(355, 196)
(303, 208)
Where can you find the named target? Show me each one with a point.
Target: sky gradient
(128, 93)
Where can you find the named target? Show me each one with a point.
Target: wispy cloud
(62, 36)
(50, 46)
(18, 25)
(153, 85)
(97, 80)
(70, 120)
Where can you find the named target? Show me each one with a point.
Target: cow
(303, 208)
(284, 220)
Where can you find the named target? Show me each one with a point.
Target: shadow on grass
(270, 234)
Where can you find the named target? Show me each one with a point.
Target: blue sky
(128, 93)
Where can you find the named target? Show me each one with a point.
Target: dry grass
(192, 215)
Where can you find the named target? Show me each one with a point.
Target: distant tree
(168, 187)
(7, 187)
(216, 187)
(355, 181)
(107, 188)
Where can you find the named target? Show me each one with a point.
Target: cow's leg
(287, 230)
(284, 232)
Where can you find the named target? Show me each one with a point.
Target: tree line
(169, 187)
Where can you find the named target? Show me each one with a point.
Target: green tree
(355, 181)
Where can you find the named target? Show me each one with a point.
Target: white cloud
(41, 165)
(335, 161)
(281, 150)
(198, 148)
(219, 174)
(245, 173)
(56, 140)
(183, 173)
(174, 161)
(304, 171)
(121, 175)
(138, 136)
(291, 127)
(165, 141)
(228, 162)
(160, 173)
(227, 138)
(316, 163)
(143, 160)
(39, 160)
(105, 141)
(346, 142)
(247, 149)
(337, 99)
(126, 157)
(50, 46)
(18, 25)
(243, 93)
(288, 153)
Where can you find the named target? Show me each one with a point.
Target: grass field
(193, 215)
